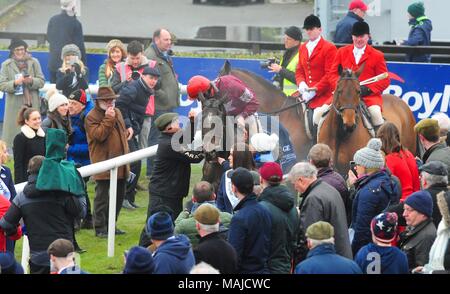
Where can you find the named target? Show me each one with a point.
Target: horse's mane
(266, 84)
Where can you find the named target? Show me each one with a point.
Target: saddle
(367, 119)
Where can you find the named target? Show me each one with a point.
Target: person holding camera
(285, 71)
(314, 66)
(132, 102)
(21, 78)
(132, 68)
(73, 74)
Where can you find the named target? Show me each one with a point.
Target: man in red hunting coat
(312, 74)
(356, 55)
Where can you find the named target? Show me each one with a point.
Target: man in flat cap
(322, 257)
(428, 131)
(286, 69)
(434, 179)
(169, 181)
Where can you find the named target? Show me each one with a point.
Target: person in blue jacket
(374, 192)
(379, 257)
(322, 257)
(78, 151)
(356, 12)
(173, 254)
(420, 33)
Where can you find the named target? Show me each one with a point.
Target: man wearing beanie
(391, 259)
(354, 56)
(78, 150)
(213, 248)
(428, 131)
(419, 236)
(420, 32)
(314, 67)
(356, 11)
(139, 260)
(285, 71)
(63, 29)
(322, 257)
(320, 202)
(280, 202)
(374, 191)
(173, 253)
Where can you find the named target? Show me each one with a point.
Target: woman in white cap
(58, 115)
(374, 191)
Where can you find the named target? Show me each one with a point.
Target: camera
(135, 75)
(266, 63)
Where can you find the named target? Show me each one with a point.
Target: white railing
(108, 165)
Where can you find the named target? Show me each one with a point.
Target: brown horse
(271, 100)
(343, 129)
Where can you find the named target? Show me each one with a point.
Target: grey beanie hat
(370, 156)
(70, 49)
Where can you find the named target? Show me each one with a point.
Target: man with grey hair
(213, 249)
(320, 202)
(434, 179)
(322, 258)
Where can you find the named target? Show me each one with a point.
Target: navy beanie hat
(421, 201)
(139, 261)
(160, 226)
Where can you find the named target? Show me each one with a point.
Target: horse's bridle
(346, 106)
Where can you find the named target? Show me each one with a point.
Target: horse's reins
(285, 107)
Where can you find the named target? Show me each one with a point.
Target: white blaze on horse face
(213, 137)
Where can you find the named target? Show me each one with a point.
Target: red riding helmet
(196, 85)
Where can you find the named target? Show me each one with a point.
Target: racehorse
(343, 130)
(214, 127)
(273, 101)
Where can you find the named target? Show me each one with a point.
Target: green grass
(95, 260)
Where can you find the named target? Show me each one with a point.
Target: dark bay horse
(272, 99)
(343, 129)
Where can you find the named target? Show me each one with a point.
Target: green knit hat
(416, 9)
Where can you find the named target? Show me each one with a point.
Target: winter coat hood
(279, 196)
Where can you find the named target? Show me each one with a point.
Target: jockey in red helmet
(241, 100)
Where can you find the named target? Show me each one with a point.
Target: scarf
(437, 252)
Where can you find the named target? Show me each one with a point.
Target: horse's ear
(360, 70)
(226, 68)
(340, 69)
(201, 97)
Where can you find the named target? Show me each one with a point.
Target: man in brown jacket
(107, 138)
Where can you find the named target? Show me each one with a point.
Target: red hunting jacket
(375, 65)
(241, 99)
(314, 70)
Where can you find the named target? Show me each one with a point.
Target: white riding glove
(308, 95)
(302, 87)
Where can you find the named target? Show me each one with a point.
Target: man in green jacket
(203, 192)
(167, 93)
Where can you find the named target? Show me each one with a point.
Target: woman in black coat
(28, 143)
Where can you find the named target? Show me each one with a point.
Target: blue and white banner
(426, 88)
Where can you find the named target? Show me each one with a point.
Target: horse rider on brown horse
(361, 55)
(240, 101)
(314, 67)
